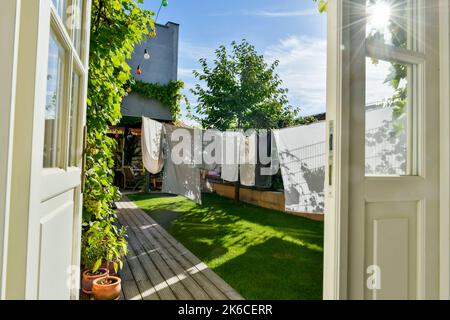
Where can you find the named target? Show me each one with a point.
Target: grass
(263, 254)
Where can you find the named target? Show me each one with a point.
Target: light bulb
(146, 55)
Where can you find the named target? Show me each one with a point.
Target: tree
(241, 91)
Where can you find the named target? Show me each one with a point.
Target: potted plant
(102, 242)
(106, 288)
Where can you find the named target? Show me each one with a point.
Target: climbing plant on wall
(168, 94)
(116, 26)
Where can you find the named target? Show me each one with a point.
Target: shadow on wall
(303, 168)
(303, 171)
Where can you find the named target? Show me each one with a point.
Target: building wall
(160, 68)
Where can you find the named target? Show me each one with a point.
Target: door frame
(337, 196)
(444, 25)
(337, 139)
(9, 28)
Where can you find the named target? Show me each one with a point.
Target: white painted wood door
(43, 256)
(382, 233)
(58, 242)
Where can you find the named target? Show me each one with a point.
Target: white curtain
(151, 145)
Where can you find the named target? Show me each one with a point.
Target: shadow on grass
(275, 270)
(262, 253)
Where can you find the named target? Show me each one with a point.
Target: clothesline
(251, 158)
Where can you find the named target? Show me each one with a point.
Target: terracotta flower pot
(106, 288)
(88, 279)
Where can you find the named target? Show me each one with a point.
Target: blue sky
(291, 31)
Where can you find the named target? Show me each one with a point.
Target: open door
(46, 196)
(382, 199)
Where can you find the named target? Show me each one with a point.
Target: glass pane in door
(77, 16)
(73, 125)
(388, 119)
(392, 22)
(61, 7)
(54, 101)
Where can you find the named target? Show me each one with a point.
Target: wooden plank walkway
(158, 267)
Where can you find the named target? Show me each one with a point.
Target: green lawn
(263, 254)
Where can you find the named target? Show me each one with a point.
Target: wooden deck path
(158, 267)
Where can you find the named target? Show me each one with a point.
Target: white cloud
(303, 71)
(185, 72)
(191, 52)
(281, 14)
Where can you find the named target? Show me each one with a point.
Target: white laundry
(248, 158)
(151, 145)
(181, 178)
(231, 143)
(301, 152)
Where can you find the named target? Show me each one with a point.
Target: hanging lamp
(146, 54)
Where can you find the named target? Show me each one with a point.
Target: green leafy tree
(241, 90)
(116, 26)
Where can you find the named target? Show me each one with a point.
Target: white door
(382, 228)
(52, 80)
(58, 230)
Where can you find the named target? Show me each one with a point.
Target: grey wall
(160, 68)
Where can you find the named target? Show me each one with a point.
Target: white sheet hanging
(151, 145)
(181, 178)
(301, 151)
(231, 143)
(248, 160)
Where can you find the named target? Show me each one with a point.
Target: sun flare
(379, 15)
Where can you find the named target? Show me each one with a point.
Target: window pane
(55, 81)
(61, 6)
(387, 113)
(391, 22)
(74, 120)
(77, 16)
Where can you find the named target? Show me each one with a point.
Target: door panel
(56, 238)
(392, 245)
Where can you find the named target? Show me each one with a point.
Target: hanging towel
(301, 152)
(231, 143)
(248, 160)
(267, 158)
(212, 150)
(151, 142)
(181, 174)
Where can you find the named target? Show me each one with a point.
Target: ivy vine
(117, 25)
(168, 94)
